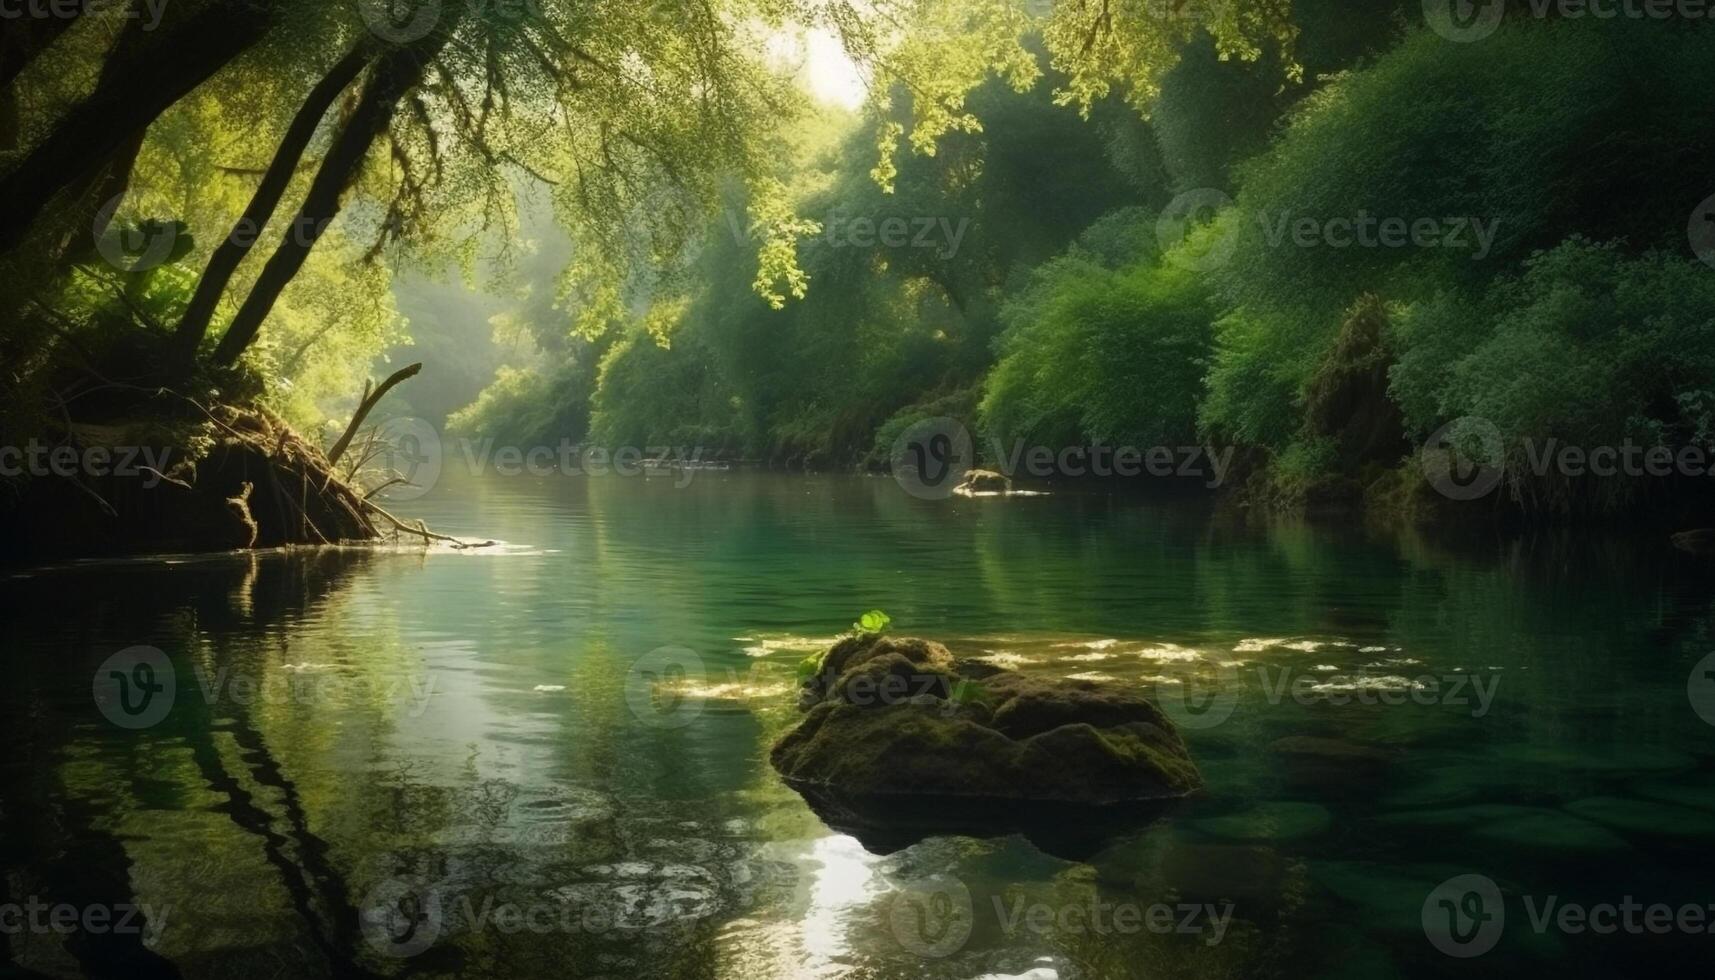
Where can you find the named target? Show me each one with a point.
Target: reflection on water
(397, 763)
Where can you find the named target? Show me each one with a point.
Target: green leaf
(873, 621)
(968, 691)
(809, 667)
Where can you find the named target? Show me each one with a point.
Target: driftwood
(370, 399)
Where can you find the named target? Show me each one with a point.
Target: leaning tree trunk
(226, 258)
(397, 73)
(132, 93)
(19, 46)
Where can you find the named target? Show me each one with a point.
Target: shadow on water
(1068, 832)
(63, 839)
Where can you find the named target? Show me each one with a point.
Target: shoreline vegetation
(1420, 243)
(1392, 240)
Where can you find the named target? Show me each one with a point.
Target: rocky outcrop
(983, 482)
(900, 718)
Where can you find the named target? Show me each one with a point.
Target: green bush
(1093, 355)
(1589, 346)
(1542, 130)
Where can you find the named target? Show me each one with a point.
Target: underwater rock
(893, 722)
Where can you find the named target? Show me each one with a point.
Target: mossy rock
(884, 722)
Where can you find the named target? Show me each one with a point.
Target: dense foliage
(1240, 224)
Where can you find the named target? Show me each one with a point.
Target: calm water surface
(493, 749)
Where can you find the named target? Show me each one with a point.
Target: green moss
(868, 735)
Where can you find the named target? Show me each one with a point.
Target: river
(549, 756)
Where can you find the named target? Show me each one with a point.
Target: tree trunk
(397, 72)
(226, 258)
(20, 46)
(135, 88)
